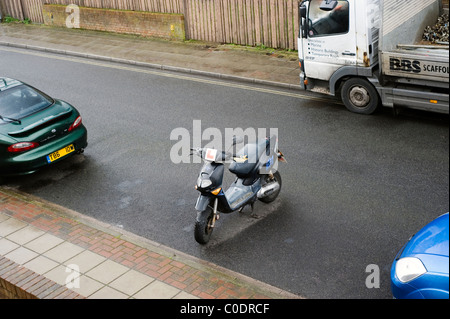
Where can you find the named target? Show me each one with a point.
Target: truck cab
(343, 47)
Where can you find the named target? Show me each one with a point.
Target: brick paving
(39, 240)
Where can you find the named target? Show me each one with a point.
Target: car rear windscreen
(20, 101)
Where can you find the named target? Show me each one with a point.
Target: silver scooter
(257, 177)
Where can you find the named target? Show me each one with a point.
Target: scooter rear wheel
(203, 226)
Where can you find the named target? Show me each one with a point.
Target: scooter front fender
(202, 203)
(202, 216)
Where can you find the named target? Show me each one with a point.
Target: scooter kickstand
(253, 215)
(241, 210)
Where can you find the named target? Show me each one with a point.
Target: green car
(35, 129)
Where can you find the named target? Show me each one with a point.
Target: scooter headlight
(203, 183)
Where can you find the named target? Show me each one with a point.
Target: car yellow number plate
(61, 153)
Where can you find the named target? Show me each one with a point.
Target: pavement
(51, 252)
(257, 65)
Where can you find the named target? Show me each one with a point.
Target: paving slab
(21, 255)
(157, 290)
(10, 226)
(107, 271)
(6, 246)
(25, 235)
(44, 243)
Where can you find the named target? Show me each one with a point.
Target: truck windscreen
(325, 22)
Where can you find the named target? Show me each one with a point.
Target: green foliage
(9, 19)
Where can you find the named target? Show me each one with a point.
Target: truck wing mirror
(302, 18)
(302, 12)
(328, 5)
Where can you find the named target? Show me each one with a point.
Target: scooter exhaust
(268, 189)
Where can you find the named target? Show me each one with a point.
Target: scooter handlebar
(221, 156)
(196, 151)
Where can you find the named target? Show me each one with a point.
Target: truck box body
(401, 55)
(403, 21)
(418, 63)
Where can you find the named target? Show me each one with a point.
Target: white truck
(369, 52)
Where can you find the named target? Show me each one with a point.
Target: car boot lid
(58, 110)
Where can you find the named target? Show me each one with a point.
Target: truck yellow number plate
(61, 153)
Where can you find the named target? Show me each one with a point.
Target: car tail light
(75, 124)
(22, 147)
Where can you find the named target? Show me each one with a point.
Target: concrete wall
(159, 25)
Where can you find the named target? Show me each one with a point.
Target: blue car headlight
(409, 268)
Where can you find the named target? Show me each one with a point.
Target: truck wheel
(359, 96)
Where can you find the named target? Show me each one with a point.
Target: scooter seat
(248, 158)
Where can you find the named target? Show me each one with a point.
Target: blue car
(420, 270)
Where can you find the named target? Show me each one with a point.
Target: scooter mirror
(237, 139)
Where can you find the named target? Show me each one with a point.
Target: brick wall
(9, 290)
(18, 282)
(160, 25)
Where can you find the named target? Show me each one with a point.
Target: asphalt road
(355, 188)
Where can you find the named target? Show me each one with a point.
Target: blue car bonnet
(432, 239)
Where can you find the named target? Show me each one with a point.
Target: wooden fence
(23, 9)
(270, 23)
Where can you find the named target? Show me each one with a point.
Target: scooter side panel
(239, 194)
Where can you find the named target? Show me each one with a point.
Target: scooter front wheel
(203, 226)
